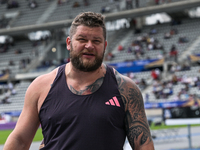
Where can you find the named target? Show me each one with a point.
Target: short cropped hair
(89, 19)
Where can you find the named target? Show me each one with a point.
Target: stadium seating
(49, 11)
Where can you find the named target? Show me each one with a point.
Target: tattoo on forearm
(88, 89)
(136, 123)
(135, 132)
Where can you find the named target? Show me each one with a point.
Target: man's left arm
(137, 128)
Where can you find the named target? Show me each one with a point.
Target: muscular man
(84, 104)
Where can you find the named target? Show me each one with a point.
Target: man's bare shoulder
(43, 81)
(46, 78)
(124, 81)
(39, 88)
(128, 89)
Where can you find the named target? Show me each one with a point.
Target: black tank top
(83, 122)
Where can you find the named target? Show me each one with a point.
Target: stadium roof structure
(168, 8)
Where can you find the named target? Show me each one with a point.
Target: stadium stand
(49, 11)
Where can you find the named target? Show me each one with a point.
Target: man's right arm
(28, 122)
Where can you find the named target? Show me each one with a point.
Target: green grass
(5, 133)
(163, 126)
(38, 136)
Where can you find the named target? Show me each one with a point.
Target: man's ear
(68, 41)
(106, 43)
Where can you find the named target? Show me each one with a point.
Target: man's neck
(81, 82)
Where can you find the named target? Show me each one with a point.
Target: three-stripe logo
(114, 102)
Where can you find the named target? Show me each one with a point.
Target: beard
(85, 66)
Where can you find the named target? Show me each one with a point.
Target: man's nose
(89, 45)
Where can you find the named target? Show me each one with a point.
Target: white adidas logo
(114, 102)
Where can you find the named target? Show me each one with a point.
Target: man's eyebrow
(98, 38)
(81, 36)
